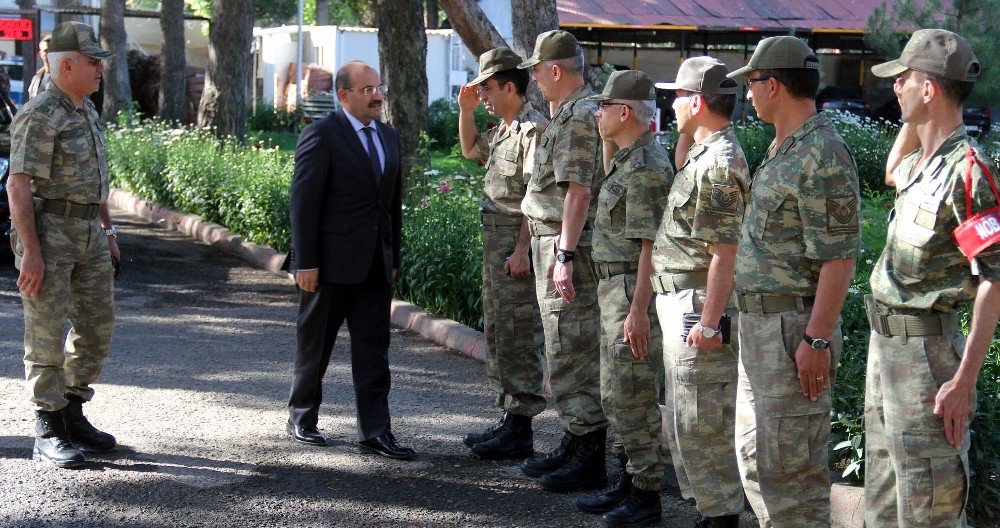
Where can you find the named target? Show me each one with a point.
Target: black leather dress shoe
(305, 435)
(385, 444)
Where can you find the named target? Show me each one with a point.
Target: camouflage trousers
(77, 288)
(913, 477)
(701, 410)
(630, 386)
(782, 436)
(513, 328)
(572, 353)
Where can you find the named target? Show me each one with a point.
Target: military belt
(892, 325)
(606, 270)
(496, 220)
(675, 282)
(768, 303)
(540, 228)
(67, 208)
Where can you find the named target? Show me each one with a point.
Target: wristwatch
(708, 333)
(564, 256)
(815, 342)
(111, 231)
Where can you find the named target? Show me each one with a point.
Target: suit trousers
(365, 308)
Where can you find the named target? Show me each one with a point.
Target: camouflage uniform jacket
(921, 267)
(509, 152)
(630, 204)
(61, 147)
(803, 210)
(569, 150)
(705, 205)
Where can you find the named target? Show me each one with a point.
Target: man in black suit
(346, 207)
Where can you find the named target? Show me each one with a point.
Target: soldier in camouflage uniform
(61, 239)
(559, 204)
(629, 208)
(921, 381)
(693, 264)
(510, 307)
(799, 239)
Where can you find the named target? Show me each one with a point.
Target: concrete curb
(444, 332)
(847, 502)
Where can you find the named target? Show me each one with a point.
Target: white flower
(432, 172)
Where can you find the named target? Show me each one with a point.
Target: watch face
(708, 332)
(560, 256)
(820, 344)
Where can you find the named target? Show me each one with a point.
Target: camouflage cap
(77, 36)
(552, 45)
(496, 60)
(779, 53)
(627, 84)
(937, 52)
(703, 75)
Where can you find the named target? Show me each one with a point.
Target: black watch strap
(563, 255)
(815, 342)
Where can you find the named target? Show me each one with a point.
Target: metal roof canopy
(701, 38)
(96, 11)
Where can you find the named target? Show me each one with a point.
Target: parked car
(857, 107)
(977, 120)
(6, 117)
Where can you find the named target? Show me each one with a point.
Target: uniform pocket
(766, 216)
(934, 479)
(609, 218)
(795, 433)
(913, 236)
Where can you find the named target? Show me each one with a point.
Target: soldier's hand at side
(113, 248)
(307, 280)
(814, 366)
(468, 98)
(562, 275)
(953, 403)
(518, 265)
(698, 340)
(636, 330)
(29, 282)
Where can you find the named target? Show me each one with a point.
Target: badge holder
(982, 230)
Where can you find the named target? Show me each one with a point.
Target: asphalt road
(195, 390)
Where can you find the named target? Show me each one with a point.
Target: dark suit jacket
(339, 215)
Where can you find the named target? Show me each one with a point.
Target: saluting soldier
(629, 208)
(795, 260)
(510, 308)
(693, 262)
(559, 203)
(922, 371)
(64, 244)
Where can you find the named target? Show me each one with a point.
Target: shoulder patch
(842, 215)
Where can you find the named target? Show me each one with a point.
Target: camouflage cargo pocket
(794, 433)
(933, 479)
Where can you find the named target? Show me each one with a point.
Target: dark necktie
(373, 155)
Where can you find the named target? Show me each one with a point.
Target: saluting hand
(468, 98)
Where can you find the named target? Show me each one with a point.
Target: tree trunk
(531, 18)
(402, 48)
(64, 17)
(117, 92)
(173, 87)
(224, 101)
(471, 24)
(322, 13)
(431, 19)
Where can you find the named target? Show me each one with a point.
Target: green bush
(442, 122)
(265, 117)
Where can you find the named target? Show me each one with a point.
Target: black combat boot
(610, 498)
(52, 441)
(81, 432)
(515, 440)
(641, 508)
(584, 469)
(472, 439)
(539, 466)
(722, 521)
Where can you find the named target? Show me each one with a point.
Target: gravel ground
(195, 390)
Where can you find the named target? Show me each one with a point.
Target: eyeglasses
(482, 88)
(95, 62)
(604, 104)
(370, 90)
(751, 80)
